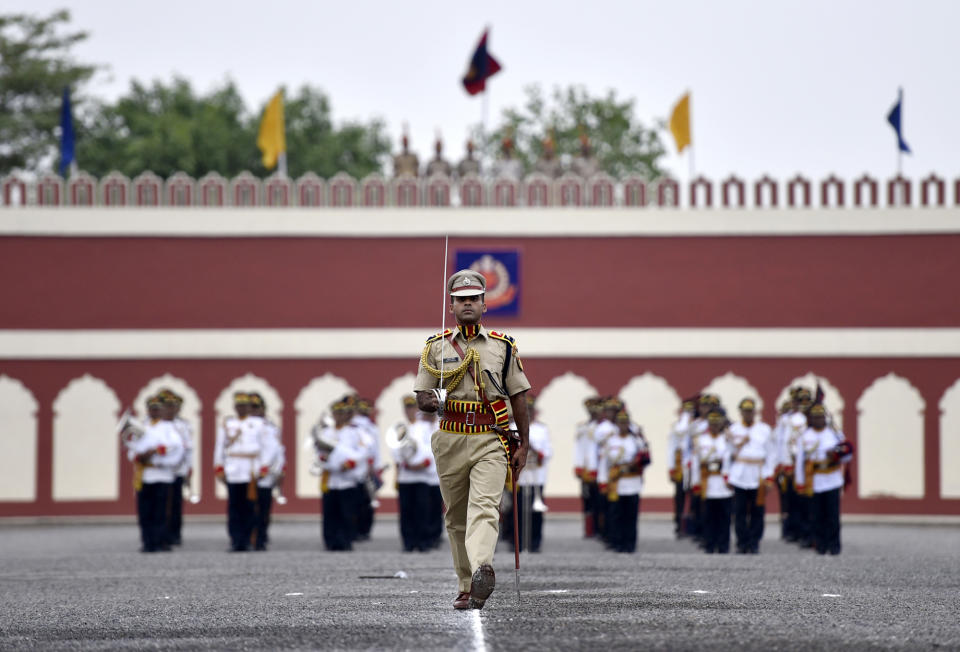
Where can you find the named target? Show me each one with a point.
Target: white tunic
(272, 455)
(816, 446)
(346, 465)
(237, 448)
(794, 423)
(712, 458)
(622, 450)
(678, 443)
(601, 434)
(416, 453)
(754, 455)
(185, 430)
(583, 447)
(535, 473)
(160, 467)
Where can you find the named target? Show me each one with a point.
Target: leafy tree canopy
(35, 67)
(621, 143)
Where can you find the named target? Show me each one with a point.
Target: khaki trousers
(472, 470)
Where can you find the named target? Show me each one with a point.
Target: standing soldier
(469, 164)
(406, 162)
(621, 479)
(678, 447)
(754, 460)
(484, 381)
(342, 458)
(698, 429)
(822, 453)
(156, 454)
(583, 457)
(236, 460)
(798, 505)
(508, 166)
(780, 436)
(548, 165)
(370, 483)
(530, 483)
(605, 430)
(272, 463)
(711, 468)
(414, 462)
(171, 412)
(585, 164)
(438, 165)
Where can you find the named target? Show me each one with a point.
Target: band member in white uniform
(751, 472)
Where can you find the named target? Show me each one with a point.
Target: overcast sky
(777, 87)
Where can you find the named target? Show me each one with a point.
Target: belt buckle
(471, 418)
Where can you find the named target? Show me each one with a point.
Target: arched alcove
(312, 405)
(832, 398)
(653, 403)
(732, 389)
(18, 420)
(890, 439)
(223, 406)
(560, 407)
(189, 412)
(389, 407)
(85, 441)
(950, 442)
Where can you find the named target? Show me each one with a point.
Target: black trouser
(240, 514)
(801, 507)
(826, 521)
(364, 512)
(623, 526)
(175, 511)
(747, 519)
(588, 493)
(694, 518)
(601, 507)
(716, 524)
(679, 496)
(785, 487)
(152, 515)
(532, 542)
(340, 508)
(416, 518)
(262, 518)
(435, 525)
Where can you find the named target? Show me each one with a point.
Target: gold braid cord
(455, 375)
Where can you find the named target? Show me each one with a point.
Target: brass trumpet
(129, 428)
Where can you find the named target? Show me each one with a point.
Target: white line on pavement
(293, 594)
(699, 591)
(830, 595)
(479, 644)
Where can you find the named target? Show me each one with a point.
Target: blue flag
(894, 119)
(66, 133)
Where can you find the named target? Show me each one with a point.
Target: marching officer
(710, 473)
(822, 452)
(484, 382)
(754, 458)
(156, 454)
(236, 458)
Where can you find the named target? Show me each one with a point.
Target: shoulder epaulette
(503, 336)
(434, 338)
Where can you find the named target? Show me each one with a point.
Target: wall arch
(18, 464)
(189, 411)
(86, 447)
(223, 407)
(653, 403)
(732, 389)
(389, 406)
(312, 404)
(950, 442)
(560, 407)
(890, 439)
(832, 398)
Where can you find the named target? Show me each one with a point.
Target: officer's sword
(441, 393)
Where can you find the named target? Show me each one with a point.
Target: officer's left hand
(520, 457)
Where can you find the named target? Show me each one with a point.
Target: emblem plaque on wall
(501, 269)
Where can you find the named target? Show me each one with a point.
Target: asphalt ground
(68, 587)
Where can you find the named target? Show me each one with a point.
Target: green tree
(621, 143)
(35, 66)
(167, 128)
(315, 144)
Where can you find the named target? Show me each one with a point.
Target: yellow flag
(272, 139)
(680, 122)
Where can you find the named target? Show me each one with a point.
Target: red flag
(482, 67)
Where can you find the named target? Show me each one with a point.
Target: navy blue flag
(501, 270)
(894, 119)
(66, 133)
(482, 67)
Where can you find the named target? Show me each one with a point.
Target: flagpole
(484, 106)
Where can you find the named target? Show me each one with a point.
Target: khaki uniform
(406, 163)
(471, 460)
